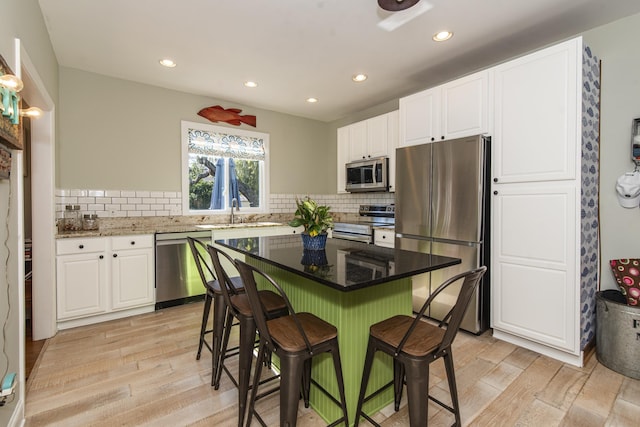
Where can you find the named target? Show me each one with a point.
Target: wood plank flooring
(142, 371)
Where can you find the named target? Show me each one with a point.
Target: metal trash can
(618, 336)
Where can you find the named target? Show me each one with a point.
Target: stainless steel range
(362, 230)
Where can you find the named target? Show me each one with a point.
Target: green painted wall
(118, 134)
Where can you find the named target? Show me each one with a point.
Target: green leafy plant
(314, 218)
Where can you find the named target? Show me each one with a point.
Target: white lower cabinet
(81, 277)
(535, 254)
(103, 278)
(384, 238)
(132, 269)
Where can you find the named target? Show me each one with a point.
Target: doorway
(32, 347)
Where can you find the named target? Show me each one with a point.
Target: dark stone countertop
(343, 265)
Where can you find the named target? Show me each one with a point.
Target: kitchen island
(352, 285)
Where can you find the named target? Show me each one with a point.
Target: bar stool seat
(424, 339)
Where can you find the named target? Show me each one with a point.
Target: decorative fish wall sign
(232, 116)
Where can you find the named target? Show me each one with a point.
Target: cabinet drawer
(132, 242)
(80, 245)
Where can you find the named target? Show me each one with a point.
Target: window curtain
(224, 145)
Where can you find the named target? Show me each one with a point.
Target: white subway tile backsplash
(128, 203)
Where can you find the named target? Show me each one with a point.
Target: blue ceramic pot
(315, 243)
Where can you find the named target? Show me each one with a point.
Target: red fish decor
(232, 116)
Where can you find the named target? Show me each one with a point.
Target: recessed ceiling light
(167, 63)
(312, 100)
(250, 84)
(359, 78)
(442, 36)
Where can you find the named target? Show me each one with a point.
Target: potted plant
(316, 220)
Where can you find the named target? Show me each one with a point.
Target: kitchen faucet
(234, 202)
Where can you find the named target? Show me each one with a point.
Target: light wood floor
(142, 371)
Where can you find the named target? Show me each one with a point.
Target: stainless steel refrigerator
(442, 207)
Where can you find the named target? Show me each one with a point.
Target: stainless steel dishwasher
(177, 278)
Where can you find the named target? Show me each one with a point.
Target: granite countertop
(133, 226)
(344, 265)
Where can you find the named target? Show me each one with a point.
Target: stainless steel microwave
(367, 175)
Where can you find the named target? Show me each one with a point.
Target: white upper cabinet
(537, 112)
(420, 117)
(343, 157)
(453, 110)
(369, 138)
(358, 143)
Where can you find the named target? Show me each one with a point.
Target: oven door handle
(353, 237)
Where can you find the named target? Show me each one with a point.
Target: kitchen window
(220, 164)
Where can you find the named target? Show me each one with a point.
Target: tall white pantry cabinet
(544, 268)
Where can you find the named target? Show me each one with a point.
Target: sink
(238, 225)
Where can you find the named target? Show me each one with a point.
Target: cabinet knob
(495, 193)
(432, 139)
(101, 257)
(133, 242)
(115, 255)
(384, 237)
(81, 246)
(495, 179)
(442, 137)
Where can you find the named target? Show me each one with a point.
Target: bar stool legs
(203, 327)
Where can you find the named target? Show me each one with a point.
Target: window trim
(264, 178)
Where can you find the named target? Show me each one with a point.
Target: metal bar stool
(295, 339)
(213, 294)
(239, 308)
(414, 344)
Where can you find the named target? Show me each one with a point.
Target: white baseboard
(90, 320)
(570, 358)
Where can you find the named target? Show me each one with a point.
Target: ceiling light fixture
(10, 85)
(396, 5)
(442, 36)
(359, 78)
(312, 100)
(169, 63)
(32, 112)
(250, 84)
(11, 82)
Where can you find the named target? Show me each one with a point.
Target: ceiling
(296, 49)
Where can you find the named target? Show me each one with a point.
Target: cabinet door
(343, 158)
(132, 278)
(537, 127)
(82, 285)
(465, 106)
(420, 117)
(392, 144)
(534, 278)
(377, 136)
(358, 141)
